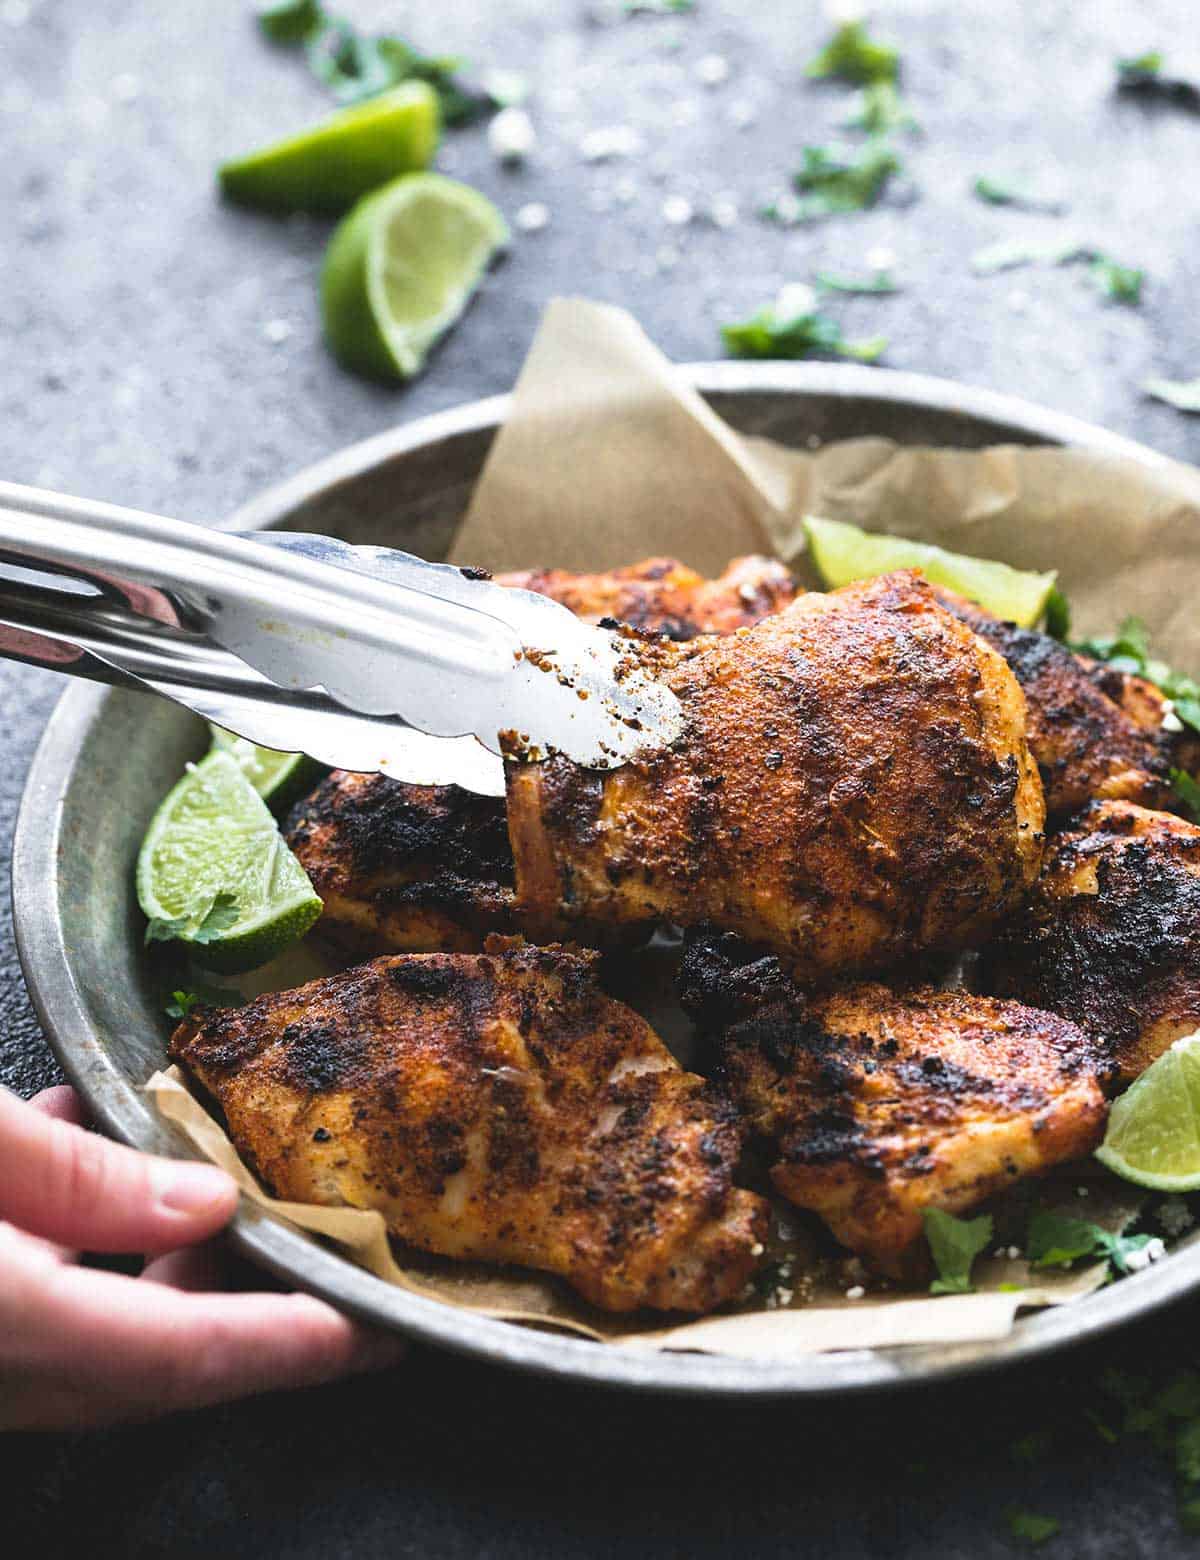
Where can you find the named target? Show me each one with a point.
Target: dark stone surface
(134, 366)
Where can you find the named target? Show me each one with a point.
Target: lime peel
(843, 553)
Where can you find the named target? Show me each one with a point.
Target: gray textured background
(134, 366)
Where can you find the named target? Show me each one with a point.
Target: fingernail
(188, 1188)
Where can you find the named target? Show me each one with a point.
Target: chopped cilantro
(1189, 1515)
(838, 179)
(221, 914)
(1012, 192)
(182, 1002)
(1129, 651)
(880, 110)
(954, 1244)
(658, 7)
(1121, 283)
(1183, 394)
(1029, 251)
(1142, 76)
(357, 66)
(793, 327)
(1057, 616)
(1056, 1241)
(870, 282)
(289, 21)
(854, 56)
(1030, 1526)
(1188, 792)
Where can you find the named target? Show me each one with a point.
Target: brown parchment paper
(610, 456)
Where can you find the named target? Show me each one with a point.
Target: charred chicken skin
(1111, 934)
(853, 787)
(407, 868)
(880, 1104)
(664, 596)
(496, 1107)
(1095, 731)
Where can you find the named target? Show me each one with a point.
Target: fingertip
(198, 1198)
(62, 1103)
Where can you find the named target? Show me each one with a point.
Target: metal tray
(108, 757)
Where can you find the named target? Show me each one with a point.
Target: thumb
(71, 1186)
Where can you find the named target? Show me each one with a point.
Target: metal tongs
(363, 657)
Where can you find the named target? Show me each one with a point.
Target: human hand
(82, 1347)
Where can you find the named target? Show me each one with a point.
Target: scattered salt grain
(511, 136)
(793, 300)
(677, 210)
(1013, 1253)
(684, 113)
(786, 207)
(880, 257)
(1018, 300)
(712, 69)
(741, 114)
(1082, 1191)
(1153, 1251)
(532, 217)
(125, 88)
(723, 211)
(610, 141)
(1170, 720)
(856, 1293)
(277, 331)
(625, 191)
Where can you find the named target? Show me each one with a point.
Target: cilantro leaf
(880, 110)
(1121, 283)
(289, 21)
(854, 56)
(954, 1244)
(1057, 617)
(871, 282)
(1188, 792)
(658, 7)
(1013, 192)
(1142, 76)
(1129, 651)
(1029, 1526)
(220, 915)
(1029, 251)
(1055, 1240)
(182, 1002)
(1183, 394)
(793, 327)
(838, 179)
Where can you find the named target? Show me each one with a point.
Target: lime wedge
(279, 778)
(328, 167)
(214, 873)
(1153, 1135)
(843, 553)
(401, 268)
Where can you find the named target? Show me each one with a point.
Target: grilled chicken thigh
(1095, 731)
(880, 1104)
(1110, 936)
(407, 868)
(496, 1107)
(853, 786)
(664, 596)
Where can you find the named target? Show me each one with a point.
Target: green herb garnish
(218, 918)
(793, 327)
(870, 282)
(1129, 651)
(182, 1002)
(1149, 64)
(355, 65)
(658, 7)
(954, 1244)
(1188, 792)
(838, 179)
(1183, 394)
(1142, 76)
(855, 57)
(1055, 1240)
(1121, 283)
(1057, 617)
(880, 110)
(1029, 1526)
(1029, 251)
(1013, 192)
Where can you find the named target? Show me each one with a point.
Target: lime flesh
(333, 164)
(843, 553)
(279, 778)
(1153, 1135)
(401, 268)
(213, 841)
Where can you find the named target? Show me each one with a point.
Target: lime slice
(279, 778)
(214, 873)
(328, 167)
(1153, 1135)
(843, 553)
(401, 268)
